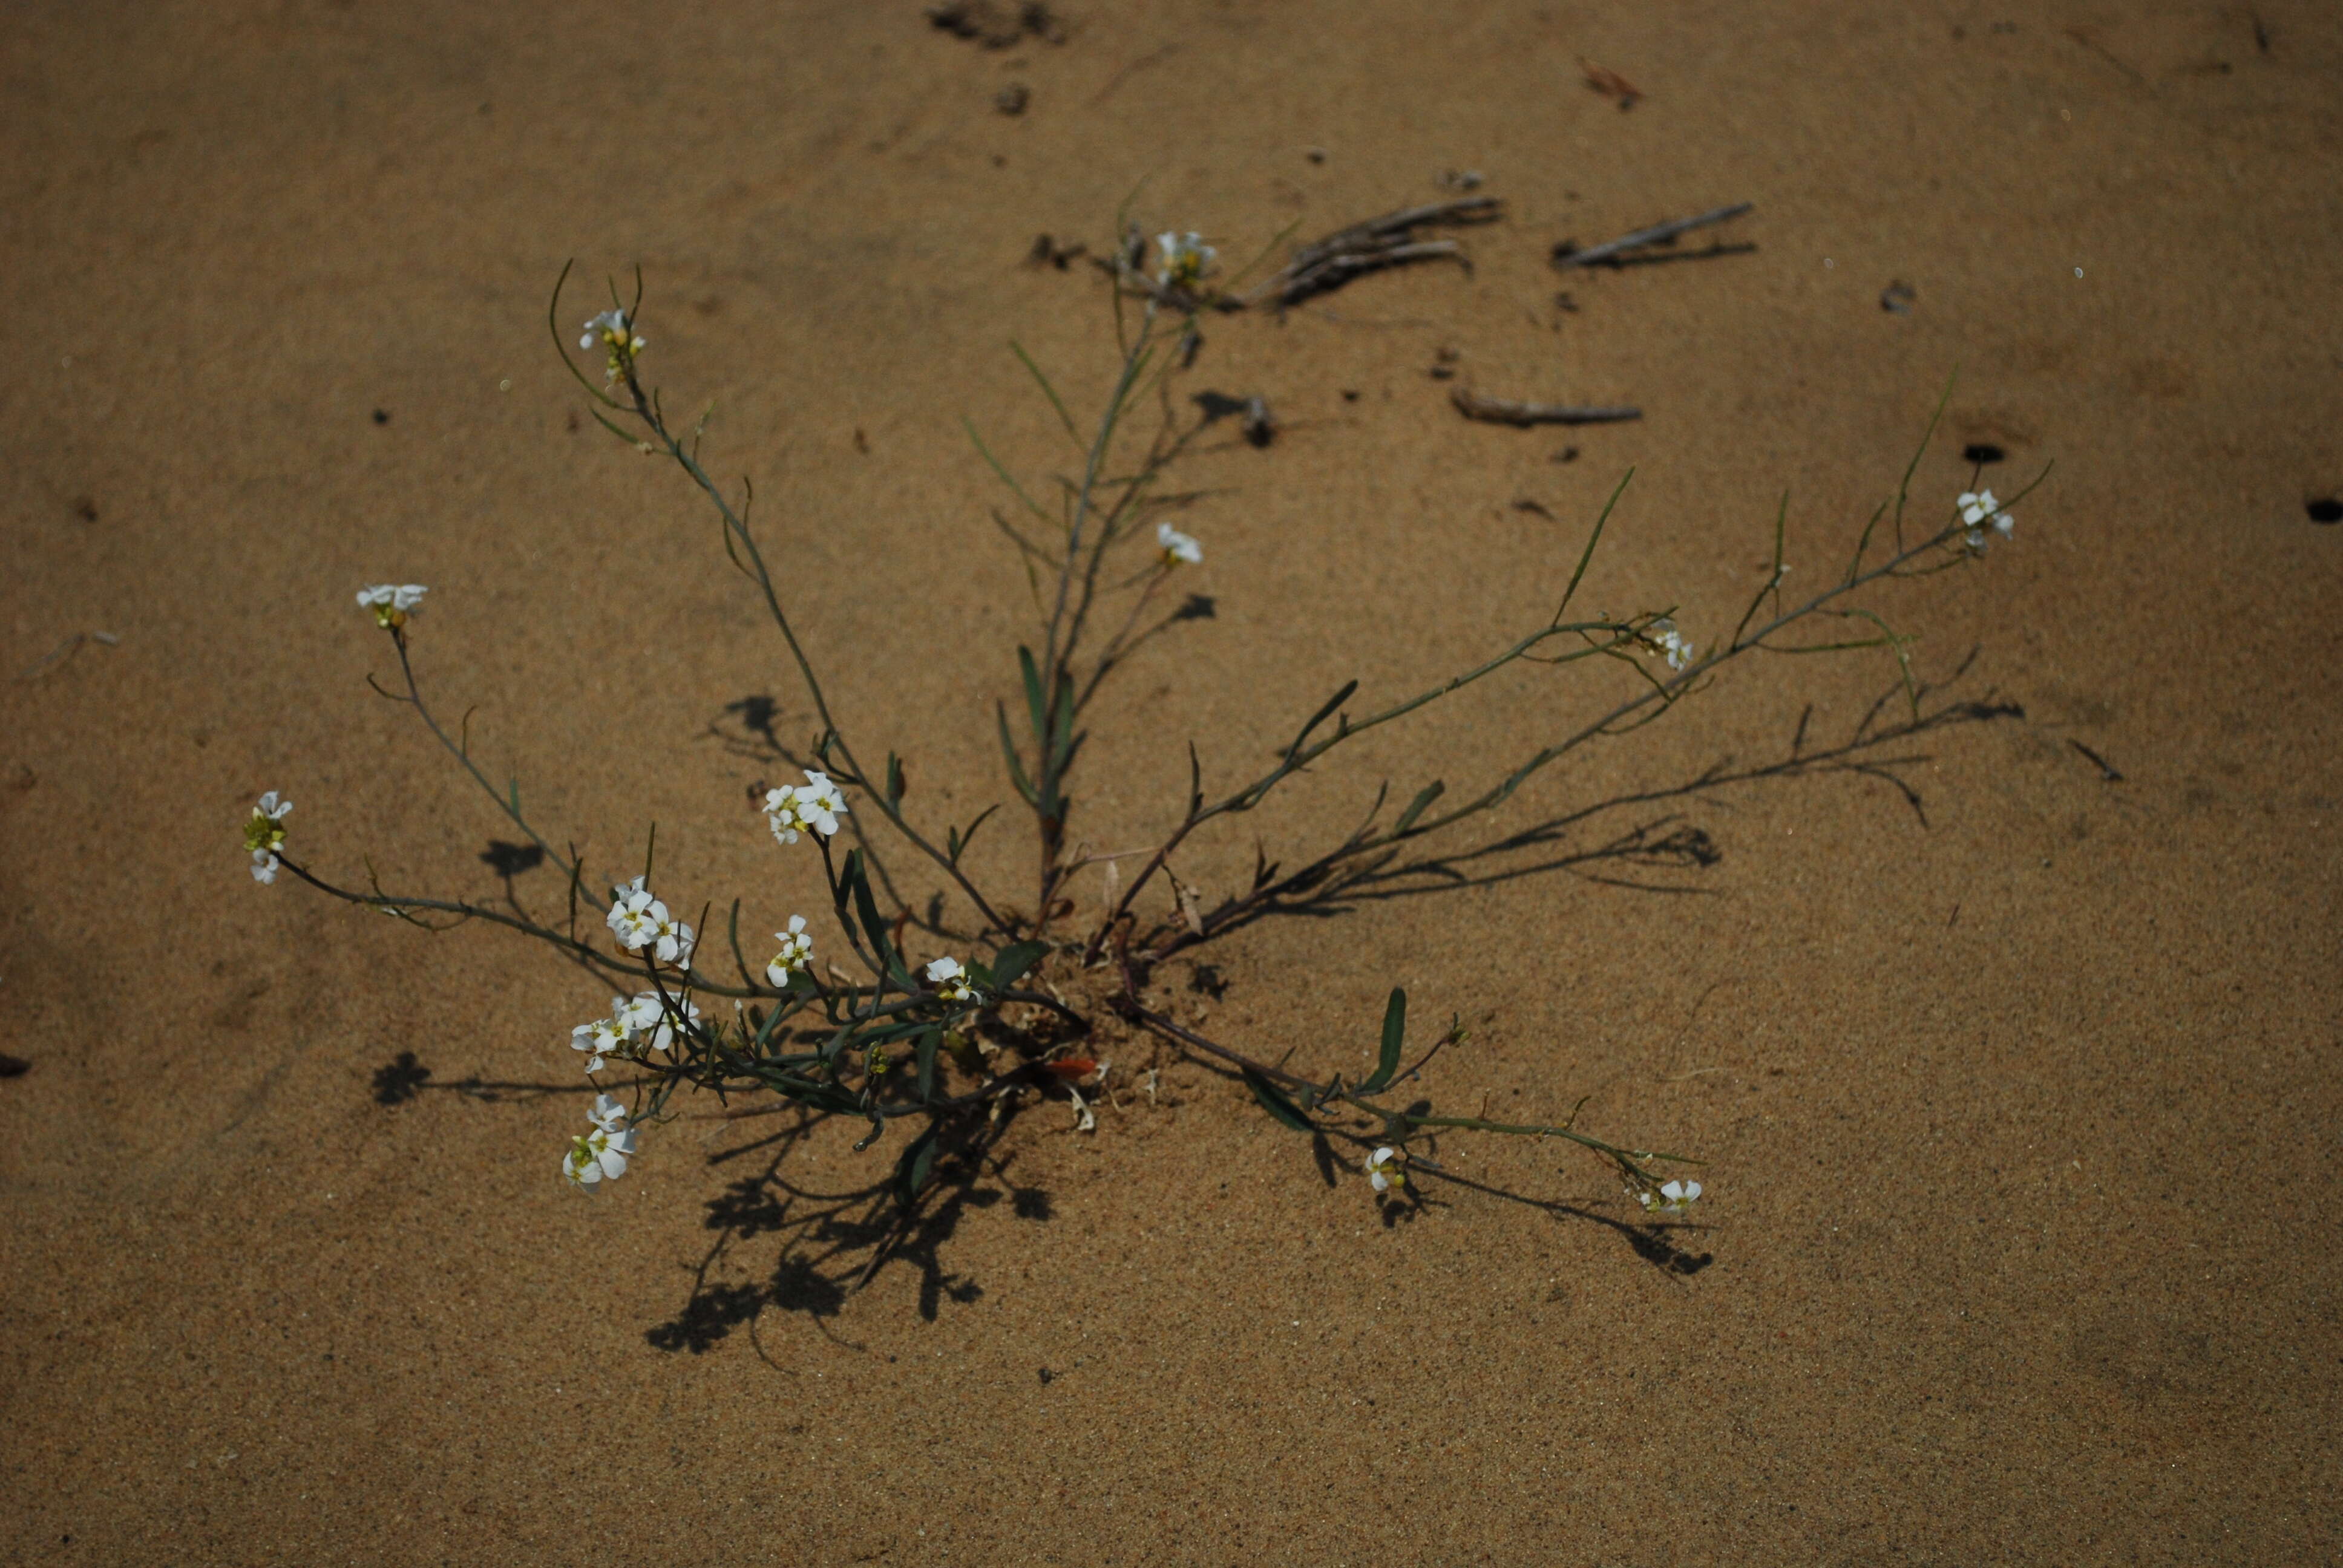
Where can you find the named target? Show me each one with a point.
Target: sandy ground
(2020, 1102)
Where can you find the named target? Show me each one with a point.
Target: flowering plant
(947, 1045)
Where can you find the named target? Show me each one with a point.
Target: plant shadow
(836, 1242)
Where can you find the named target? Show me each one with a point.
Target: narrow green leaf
(1061, 737)
(1320, 717)
(1424, 797)
(1015, 766)
(1274, 1101)
(894, 780)
(1047, 391)
(1014, 961)
(1036, 705)
(1592, 540)
(732, 930)
(1771, 585)
(577, 885)
(1394, 1037)
(917, 1161)
(629, 436)
(930, 1039)
(1904, 488)
(1006, 476)
(867, 908)
(961, 841)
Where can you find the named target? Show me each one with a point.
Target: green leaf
(1015, 766)
(867, 908)
(1320, 717)
(806, 1091)
(957, 841)
(1593, 539)
(1425, 798)
(1036, 705)
(1061, 737)
(992, 462)
(930, 1039)
(1014, 960)
(1048, 391)
(1394, 1036)
(894, 780)
(914, 1167)
(1274, 1101)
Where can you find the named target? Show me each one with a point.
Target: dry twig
(1391, 240)
(1611, 83)
(1505, 411)
(1614, 253)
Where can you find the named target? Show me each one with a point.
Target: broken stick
(1565, 256)
(1390, 240)
(1505, 411)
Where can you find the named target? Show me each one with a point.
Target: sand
(2017, 1082)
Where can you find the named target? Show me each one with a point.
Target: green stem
(415, 698)
(737, 529)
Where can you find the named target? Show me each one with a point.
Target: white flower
(671, 939)
(640, 920)
(781, 814)
(1384, 1171)
(604, 1036)
(1978, 508)
(1665, 638)
(1672, 1198)
(636, 917)
(610, 330)
(264, 835)
(637, 1016)
(796, 954)
(600, 1155)
(821, 803)
(608, 325)
(950, 980)
(392, 603)
(812, 807)
(1183, 258)
(657, 1020)
(1176, 546)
